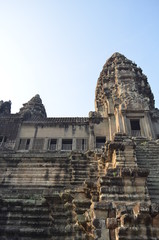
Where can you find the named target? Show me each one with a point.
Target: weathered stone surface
(93, 178)
(125, 83)
(147, 153)
(5, 108)
(34, 109)
(112, 223)
(60, 199)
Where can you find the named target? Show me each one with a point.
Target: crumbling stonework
(34, 109)
(123, 93)
(92, 178)
(77, 196)
(122, 84)
(5, 108)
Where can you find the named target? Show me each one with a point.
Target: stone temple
(93, 178)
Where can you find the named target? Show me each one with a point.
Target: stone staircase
(84, 166)
(147, 153)
(24, 218)
(123, 210)
(41, 195)
(77, 196)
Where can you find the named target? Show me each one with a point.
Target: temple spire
(33, 109)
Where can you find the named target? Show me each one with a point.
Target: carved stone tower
(124, 96)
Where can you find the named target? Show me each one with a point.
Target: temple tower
(124, 96)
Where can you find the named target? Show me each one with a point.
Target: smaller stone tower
(33, 109)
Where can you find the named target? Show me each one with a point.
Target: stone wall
(92, 195)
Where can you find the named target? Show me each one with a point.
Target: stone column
(91, 137)
(59, 144)
(124, 122)
(119, 121)
(35, 134)
(74, 144)
(46, 140)
(148, 126)
(110, 128)
(31, 143)
(18, 137)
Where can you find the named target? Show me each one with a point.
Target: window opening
(52, 144)
(81, 144)
(1, 140)
(27, 144)
(135, 127)
(100, 142)
(66, 144)
(24, 144)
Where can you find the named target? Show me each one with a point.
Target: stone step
(147, 164)
(30, 215)
(35, 163)
(153, 182)
(11, 234)
(3, 237)
(16, 206)
(38, 166)
(124, 197)
(112, 190)
(60, 219)
(20, 223)
(111, 181)
(42, 176)
(137, 233)
(153, 176)
(29, 190)
(42, 169)
(148, 157)
(38, 183)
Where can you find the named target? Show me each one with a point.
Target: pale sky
(57, 48)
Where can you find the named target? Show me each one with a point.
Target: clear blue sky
(57, 48)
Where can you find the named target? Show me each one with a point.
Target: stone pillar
(59, 144)
(31, 143)
(124, 122)
(119, 121)
(46, 140)
(35, 134)
(148, 126)
(110, 128)
(18, 138)
(74, 144)
(91, 137)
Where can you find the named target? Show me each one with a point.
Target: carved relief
(123, 82)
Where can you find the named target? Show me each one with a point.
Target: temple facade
(124, 103)
(93, 177)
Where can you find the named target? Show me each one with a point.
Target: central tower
(124, 96)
